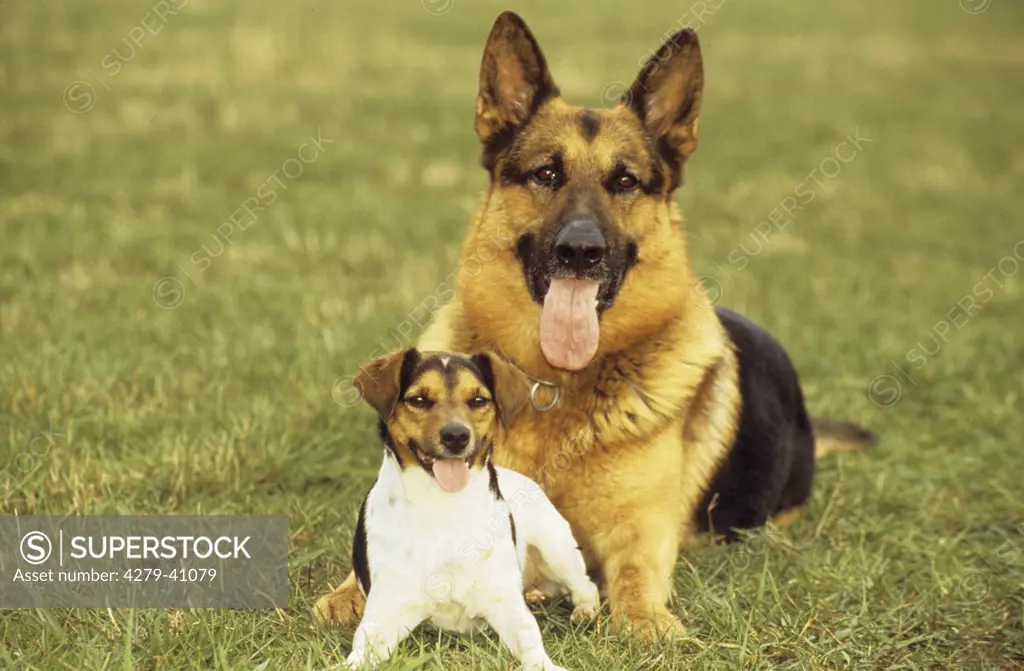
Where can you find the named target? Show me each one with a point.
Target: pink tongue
(451, 474)
(568, 323)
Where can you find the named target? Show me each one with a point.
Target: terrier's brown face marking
(439, 405)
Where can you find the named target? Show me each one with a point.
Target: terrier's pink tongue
(451, 474)
(568, 323)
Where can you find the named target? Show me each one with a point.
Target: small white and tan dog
(444, 536)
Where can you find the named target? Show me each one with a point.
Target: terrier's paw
(584, 613)
(546, 665)
(587, 604)
(362, 662)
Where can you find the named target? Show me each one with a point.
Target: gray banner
(100, 561)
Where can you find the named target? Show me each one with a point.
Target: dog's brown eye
(419, 401)
(626, 182)
(545, 176)
(478, 402)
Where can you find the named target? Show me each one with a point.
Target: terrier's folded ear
(509, 385)
(383, 380)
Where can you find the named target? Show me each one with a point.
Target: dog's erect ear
(514, 79)
(667, 94)
(380, 381)
(508, 384)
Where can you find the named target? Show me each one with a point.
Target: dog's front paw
(661, 624)
(536, 597)
(542, 665)
(344, 606)
(356, 662)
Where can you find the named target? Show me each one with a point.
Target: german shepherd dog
(655, 415)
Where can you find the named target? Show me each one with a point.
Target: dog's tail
(839, 435)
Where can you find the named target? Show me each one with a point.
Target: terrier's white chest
(450, 560)
(443, 552)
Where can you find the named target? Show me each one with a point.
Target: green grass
(911, 556)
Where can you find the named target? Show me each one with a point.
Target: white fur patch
(450, 559)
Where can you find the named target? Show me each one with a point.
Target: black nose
(454, 436)
(580, 245)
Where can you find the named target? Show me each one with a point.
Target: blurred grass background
(162, 383)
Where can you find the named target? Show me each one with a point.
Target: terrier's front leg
(388, 620)
(511, 619)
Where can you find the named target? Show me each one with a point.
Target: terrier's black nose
(580, 245)
(455, 436)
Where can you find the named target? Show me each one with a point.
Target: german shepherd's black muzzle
(576, 246)
(580, 245)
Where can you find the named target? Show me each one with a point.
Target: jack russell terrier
(444, 536)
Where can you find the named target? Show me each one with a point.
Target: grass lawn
(171, 372)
